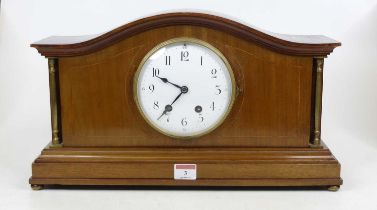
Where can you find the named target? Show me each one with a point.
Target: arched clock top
(302, 45)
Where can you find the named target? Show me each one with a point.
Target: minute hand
(176, 98)
(184, 89)
(169, 108)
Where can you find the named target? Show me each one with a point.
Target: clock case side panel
(272, 108)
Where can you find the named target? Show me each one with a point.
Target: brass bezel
(195, 41)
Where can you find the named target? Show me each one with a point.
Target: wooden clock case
(271, 137)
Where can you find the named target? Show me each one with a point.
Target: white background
(349, 100)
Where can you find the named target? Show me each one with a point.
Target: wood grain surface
(215, 167)
(308, 45)
(264, 141)
(272, 107)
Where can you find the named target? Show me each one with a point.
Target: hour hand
(167, 81)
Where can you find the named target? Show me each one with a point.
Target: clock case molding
(272, 136)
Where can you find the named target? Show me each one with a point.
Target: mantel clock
(186, 99)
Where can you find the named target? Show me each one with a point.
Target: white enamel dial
(184, 88)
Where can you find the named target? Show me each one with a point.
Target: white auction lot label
(185, 171)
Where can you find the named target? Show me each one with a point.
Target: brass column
(54, 102)
(318, 65)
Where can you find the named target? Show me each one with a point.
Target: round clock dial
(184, 87)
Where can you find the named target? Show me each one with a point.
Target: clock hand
(176, 98)
(169, 108)
(167, 81)
(184, 89)
(163, 113)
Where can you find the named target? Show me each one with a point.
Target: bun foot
(36, 187)
(333, 188)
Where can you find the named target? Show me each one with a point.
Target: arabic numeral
(155, 105)
(218, 90)
(212, 106)
(184, 121)
(155, 72)
(184, 56)
(151, 88)
(201, 118)
(167, 60)
(214, 72)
